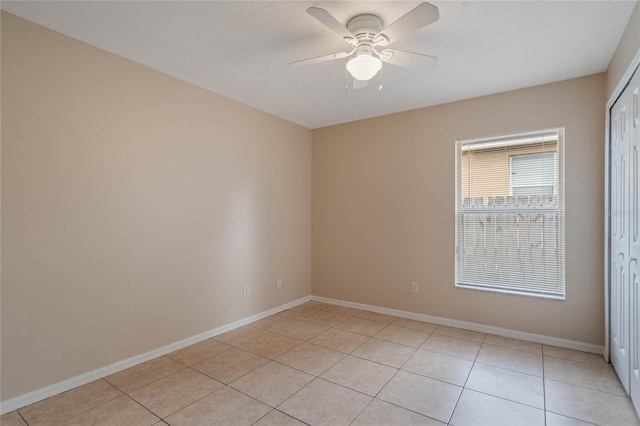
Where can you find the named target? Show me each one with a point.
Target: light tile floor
(322, 364)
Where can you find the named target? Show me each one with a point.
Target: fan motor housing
(365, 27)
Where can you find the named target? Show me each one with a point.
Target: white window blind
(533, 174)
(510, 214)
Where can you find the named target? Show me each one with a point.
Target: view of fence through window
(510, 214)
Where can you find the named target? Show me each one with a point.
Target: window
(510, 214)
(533, 174)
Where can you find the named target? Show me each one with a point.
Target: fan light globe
(364, 67)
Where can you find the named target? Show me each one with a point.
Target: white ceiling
(241, 49)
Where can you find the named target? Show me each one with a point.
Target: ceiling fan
(368, 41)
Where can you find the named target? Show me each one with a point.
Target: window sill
(512, 292)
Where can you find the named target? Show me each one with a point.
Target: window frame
(459, 200)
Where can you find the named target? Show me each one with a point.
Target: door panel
(634, 252)
(621, 236)
(634, 347)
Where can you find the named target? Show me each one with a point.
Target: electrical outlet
(246, 290)
(415, 287)
(279, 283)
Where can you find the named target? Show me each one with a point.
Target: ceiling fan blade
(332, 23)
(409, 59)
(323, 58)
(417, 18)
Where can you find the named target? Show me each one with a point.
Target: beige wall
(383, 209)
(134, 208)
(627, 48)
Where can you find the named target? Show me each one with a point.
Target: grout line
(464, 385)
(147, 384)
(602, 365)
(511, 370)
(155, 381)
(361, 411)
(573, 418)
(140, 404)
(201, 361)
(544, 389)
(23, 419)
(505, 399)
(515, 349)
(588, 388)
(123, 393)
(410, 410)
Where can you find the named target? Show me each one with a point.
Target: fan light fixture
(364, 66)
(368, 42)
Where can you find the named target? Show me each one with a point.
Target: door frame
(622, 84)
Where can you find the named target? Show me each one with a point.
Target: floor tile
(272, 383)
(520, 345)
(316, 304)
(198, 352)
(304, 316)
(339, 340)
(230, 365)
(325, 403)
(388, 353)
(423, 395)
(278, 418)
(361, 326)
(518, 387)
(301, 330)
(310, 358)
(120, 411)
(415, 325)
(572, 355)
(225, 406)
(281, 315)
(12, 419)
(599, 377)
(360, 375)
(308, 307)
(174, 392)
(270, 345)
(382, 413)
(405, 336)
(511, 359)
(478, 409)
(326, 318)
(270, 369)
(460, 333)
(68, 404)
(239, 335)
(438, 366)
(270, 323)
(142, 374)
(589, 405)
(558, 420)
(448, 345)
(374, 316)
(342, 310)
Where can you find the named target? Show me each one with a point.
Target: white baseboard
(498, 331)
(82, 379)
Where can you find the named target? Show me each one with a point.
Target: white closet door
(620, 239)
(634, 301)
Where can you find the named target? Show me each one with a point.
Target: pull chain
(346, 81)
